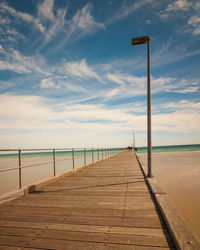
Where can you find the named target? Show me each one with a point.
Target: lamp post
(137, 41)
(133, 140)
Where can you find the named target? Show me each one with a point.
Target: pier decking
(106, 205)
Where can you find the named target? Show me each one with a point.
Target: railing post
(92, 155)
(73, 157)
(98, 154)
(20, 170)
(84, 157)
(54, 162)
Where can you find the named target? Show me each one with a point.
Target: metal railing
(76, 157)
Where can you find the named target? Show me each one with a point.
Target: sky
(69, 76)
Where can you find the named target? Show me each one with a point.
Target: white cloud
(183, 105)
(21, 16)
(165, 55)
(178, 5)
(127, 9)
(48, 83)
(81, 24)
(197, 5)
(114, 92)
(55, 22)
(172, 8)
(61, 85)
(134, 86)
(51, 21)
(116, 77)
(81, 70)
(31, 115)
(194, 23)
(45, 9)
(16, 62)
(18, 14)
(186, 90)
(32, 112)
(84, 20)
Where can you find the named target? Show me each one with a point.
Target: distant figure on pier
(129, 148)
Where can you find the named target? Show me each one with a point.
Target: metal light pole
(137, 41)
(133, 139)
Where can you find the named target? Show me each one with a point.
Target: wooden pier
(106, 205)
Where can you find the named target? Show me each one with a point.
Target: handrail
(48, 149)
(95, 154)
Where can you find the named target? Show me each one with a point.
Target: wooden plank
(83, 228)
(66, 244)
(158, 241)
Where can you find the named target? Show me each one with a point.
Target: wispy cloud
(166, 55)
(178, 5)
(189, 11)
(48, 83)
(13, 60)
(18, 15)
(186, 90)
(49, 22)
(81, 69)
(133, 86)
(194, 25)
(81, 24)
(126, 9)
(45, 10)
(53, 24)
(116, 77)
(61, 85)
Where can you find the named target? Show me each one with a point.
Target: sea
(172, 148)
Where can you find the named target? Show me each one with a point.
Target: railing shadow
(35, 191)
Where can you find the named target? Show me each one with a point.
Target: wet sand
(178, 174)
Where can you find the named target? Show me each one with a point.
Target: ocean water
(172, 148)
(59, 153)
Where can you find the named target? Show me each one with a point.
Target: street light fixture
(133, 140)
(137, 41)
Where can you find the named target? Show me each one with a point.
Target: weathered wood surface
(106, 205)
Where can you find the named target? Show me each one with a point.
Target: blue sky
(69, 76)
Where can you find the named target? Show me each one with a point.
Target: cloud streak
(81, 70)
(127, 9)
(36, 113)
(13, 60)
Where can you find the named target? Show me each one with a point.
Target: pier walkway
(106, 205)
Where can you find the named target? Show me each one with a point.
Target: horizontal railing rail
(88, 155)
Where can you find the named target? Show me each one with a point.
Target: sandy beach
(178, 174)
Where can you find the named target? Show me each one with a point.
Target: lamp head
(140, 40)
